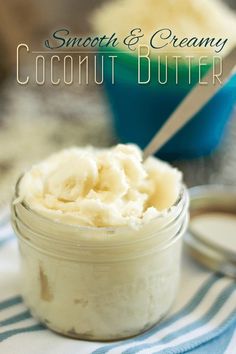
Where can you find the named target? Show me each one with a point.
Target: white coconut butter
(101, 188)
(173, 27)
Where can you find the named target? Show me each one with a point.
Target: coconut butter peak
(108, 187)
(192, 27)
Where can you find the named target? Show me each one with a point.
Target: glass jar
(99, 283)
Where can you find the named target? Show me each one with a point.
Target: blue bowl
(140, 110)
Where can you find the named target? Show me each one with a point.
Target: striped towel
(203, 319)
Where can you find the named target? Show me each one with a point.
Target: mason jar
(103, 283)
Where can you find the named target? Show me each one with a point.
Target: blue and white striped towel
(203, 319)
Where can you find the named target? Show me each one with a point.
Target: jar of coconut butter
(100, 235)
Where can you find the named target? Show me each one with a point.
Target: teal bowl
(139, 111)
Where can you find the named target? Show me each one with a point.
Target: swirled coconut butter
(193, 27)
(101, 188)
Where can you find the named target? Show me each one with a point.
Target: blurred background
(37, 120)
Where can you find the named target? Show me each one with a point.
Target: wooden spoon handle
(191, 105)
